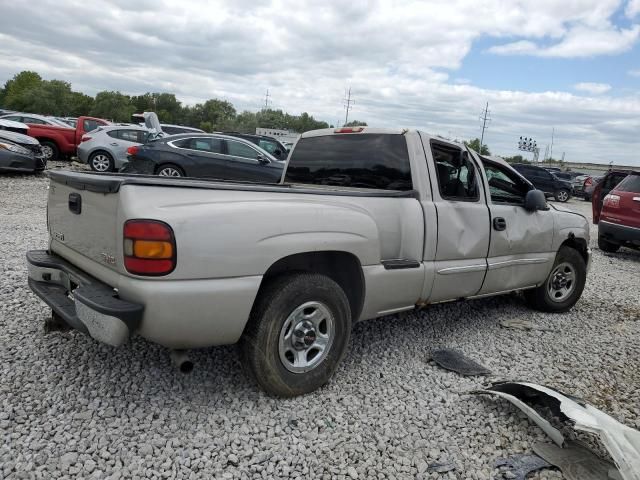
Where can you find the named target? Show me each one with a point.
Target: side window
(35, 121)
(268, 146)
(630, 184)
(238, 149)
(612, 180)
(142, 136)
(129, 135)
(457, 177)
(504, 185)
(89, 125)
(114, 133)
(211, 145)
(14, 118)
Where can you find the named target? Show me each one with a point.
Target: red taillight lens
(612, 201)
(588, 182)
(132, 150)
(349, 130)
(85, 138)
(149, 247)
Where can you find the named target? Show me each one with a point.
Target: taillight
(85, 138)
(349, 130)
(612, 201)
(149, 248)
(132, 150)
(588, 182)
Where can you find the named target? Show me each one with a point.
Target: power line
(485, 117)
(347, 105)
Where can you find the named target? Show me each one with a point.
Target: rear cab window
(630, 184)
(366, 160)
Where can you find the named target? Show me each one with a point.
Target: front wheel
(607, 246)
(297, 334)
(562, 195)
(564, 285)
(50, 150)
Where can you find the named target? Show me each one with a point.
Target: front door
(462, 225)
(520, 252)
(244, 164)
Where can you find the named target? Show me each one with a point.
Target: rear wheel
(607, 246)
(170, 170)
(564, 285)
(50, 150)
(101, 162)
(562, 195)
(297, 334)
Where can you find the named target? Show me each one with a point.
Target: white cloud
(633, 9)
(399, 59)
(521, 47)
(634, 73)
(593, 88)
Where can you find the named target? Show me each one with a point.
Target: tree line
(27, 91)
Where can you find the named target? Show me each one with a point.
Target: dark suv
(546, 181)
(271, 145)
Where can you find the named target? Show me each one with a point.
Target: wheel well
(579, 244)
(48, 140)
(164, 164)
(99, 151)
(342, 267)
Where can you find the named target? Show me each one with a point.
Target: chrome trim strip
(619, 225)
(464, 269)
(503, 292)
(395, 310)
(517, 261)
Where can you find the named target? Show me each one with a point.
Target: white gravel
(71, 407)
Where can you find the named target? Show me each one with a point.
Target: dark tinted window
(630, 184)
(239, 149)
(612, 180)
(204, 144)
(35, 121)
(457, 177)
(172, 130)
(352, 160)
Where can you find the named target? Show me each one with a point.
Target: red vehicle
(58, 141)
(616, 210)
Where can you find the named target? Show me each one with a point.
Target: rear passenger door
(204, 157)
(122, 139)
(521, 241)
(629, 204)
(247, 163)
(463, 223)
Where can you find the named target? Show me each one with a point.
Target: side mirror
(535, 200)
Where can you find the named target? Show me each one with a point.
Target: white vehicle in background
(105, 149)
(35, 119)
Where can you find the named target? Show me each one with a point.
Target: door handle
(499, 224)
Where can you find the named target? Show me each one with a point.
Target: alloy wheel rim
(306, 337)
(563, 196)
(47, 151)
(169, 172)
(562, 282)
(101, 163)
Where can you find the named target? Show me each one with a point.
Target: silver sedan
(105, 149)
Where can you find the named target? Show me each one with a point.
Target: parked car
(287, 269)
(20, 153)
(603, 186)
(577, 184)
(204, 155)
(105, 148)
(546, 181)
(271, 145)
(618, 218)
(553, 169)
(56, 139)
(35, 119)
(13, 126)
(589, 185)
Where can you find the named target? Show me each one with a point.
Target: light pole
(529, 145)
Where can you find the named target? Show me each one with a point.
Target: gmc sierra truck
(365, 222)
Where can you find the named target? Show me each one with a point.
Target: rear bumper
(85, 303)
(619, 233)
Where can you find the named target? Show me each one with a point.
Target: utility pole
(553, 131)
(347, 105)
(266, 100)
(484, 116)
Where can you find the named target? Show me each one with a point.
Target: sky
(571, 66)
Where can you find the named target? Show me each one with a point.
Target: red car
(616, 210)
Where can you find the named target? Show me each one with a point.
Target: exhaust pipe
(180, 359)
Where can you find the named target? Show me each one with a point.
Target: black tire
(169, 167)
(279, 299)
(607, 246)
(563, 195)
(101, 162)
(51, 147)
(540, 298)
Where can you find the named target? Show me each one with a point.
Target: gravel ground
(71, 407)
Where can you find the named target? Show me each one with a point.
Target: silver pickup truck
(366, 222)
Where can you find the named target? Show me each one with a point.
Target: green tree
(16, 89)
(355, 123)
(516, 159)
(166, 105)
(113, 106)
(475, 144)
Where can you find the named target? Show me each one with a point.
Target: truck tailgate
(84, 221)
